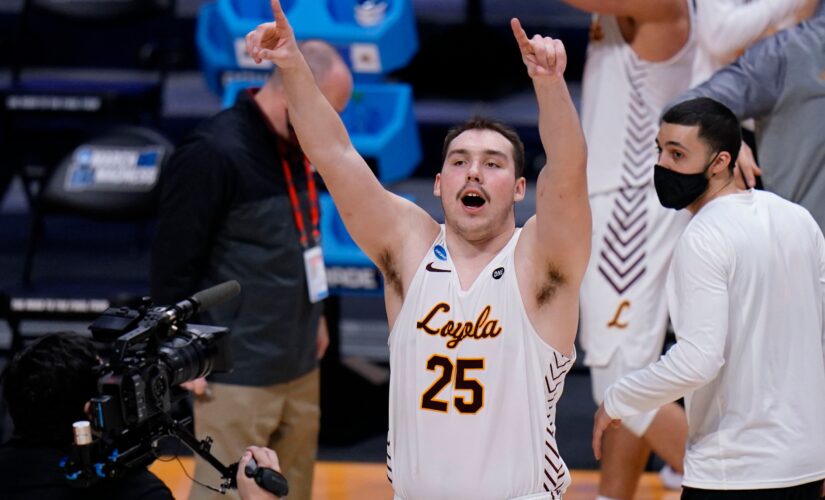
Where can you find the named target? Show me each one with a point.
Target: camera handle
(268, 479)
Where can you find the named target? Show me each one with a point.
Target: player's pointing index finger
(278, 12)
(520, 34)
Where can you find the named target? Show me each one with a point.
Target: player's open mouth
(473, 200)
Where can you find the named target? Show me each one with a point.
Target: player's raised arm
(372, 214)
(561, 230)
(643, 10)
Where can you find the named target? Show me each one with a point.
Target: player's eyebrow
(673, 143)
(486, 152)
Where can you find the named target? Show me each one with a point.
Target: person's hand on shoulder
(247, 488)
(746, 169)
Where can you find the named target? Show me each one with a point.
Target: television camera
(151, 351)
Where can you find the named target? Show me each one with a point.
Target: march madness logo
(440, 252)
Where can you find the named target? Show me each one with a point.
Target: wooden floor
(358, 481)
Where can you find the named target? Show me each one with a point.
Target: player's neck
(715, 190)
(464, 246)
(272, 104)
(470, 255)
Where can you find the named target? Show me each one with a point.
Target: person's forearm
(751, 86)
(593, 6)
(727, 87)
(726, 28)
(369, 211)
(322, 134)
(560, 131)
(640, 9)
(613, 7)
(685, 368)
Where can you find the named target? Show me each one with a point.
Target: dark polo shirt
(225, 214)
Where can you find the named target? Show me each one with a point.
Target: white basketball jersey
(622, 98)
(473, 388)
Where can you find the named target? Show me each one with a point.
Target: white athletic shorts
(623, 302)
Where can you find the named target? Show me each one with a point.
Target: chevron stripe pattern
(622, 259)
(389, 462)
(556, 476)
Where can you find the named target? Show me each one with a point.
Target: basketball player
(640, 56)
(483, 314)
(747, 295)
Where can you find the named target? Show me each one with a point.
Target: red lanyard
(296, 206)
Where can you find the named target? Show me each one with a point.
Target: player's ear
(722, 163)
(520, 189)
(437, 185)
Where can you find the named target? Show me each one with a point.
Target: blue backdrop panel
(381, 124)
(371, 51)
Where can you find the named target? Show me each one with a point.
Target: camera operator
(47, 387)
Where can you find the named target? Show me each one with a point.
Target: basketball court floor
(368, 481)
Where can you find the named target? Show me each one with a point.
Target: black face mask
(677, 190)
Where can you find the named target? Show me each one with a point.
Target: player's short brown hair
(481, 123)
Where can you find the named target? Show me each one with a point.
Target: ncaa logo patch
(498, 273)
(440, 252)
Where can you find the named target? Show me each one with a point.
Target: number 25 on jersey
(471, 402)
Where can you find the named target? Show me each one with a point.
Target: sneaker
(671, 479)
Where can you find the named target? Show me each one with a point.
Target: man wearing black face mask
(677, 190)
(746, 291)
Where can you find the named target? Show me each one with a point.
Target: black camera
(153, 351)
(149, 352)
(143, 376)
